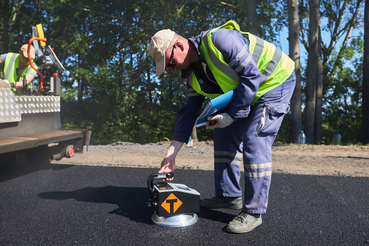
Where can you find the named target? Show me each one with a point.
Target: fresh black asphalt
(84, 205)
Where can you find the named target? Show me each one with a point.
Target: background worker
(16, 66)
(215, 62)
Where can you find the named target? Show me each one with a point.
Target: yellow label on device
(40, 32)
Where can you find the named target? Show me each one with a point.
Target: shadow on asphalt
(128, 199)
(14, 172)
(215, 215)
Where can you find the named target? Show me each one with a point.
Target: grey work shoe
(222, 202)
(243, 223)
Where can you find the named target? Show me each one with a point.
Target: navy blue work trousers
(249, 141)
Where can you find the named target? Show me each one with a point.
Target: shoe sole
(237, 231)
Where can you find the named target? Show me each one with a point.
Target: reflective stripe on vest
(9, 65)
(274, 66)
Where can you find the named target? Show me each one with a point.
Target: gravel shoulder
(288, 159)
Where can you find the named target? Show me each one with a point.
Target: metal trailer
(30, 125)
(30, 129)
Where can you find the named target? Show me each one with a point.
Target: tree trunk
(336, 34)
(80, 81)
(252, 22)
(319, 93)
(311, 84)
(6, 16)
(365, 109)
(149, 89)
(294, 49)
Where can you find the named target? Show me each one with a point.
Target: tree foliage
(339, 19)
(110, 81)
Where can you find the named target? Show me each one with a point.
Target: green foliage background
(110, 81)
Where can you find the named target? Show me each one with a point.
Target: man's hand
(169, 162)
(167, 166)
(222, 120)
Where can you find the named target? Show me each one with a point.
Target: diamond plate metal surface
(12, 107)
(38, 104)
(9, 109)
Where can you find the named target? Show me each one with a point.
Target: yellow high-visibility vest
(10, 70)
(275, 66)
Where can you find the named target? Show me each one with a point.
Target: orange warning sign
(171, 204)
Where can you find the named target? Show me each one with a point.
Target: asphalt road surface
(83, 205)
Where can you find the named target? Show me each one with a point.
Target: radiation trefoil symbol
(171, 204)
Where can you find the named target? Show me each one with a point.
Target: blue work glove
(222, 120)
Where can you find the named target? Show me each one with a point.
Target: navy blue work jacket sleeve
(186, 118)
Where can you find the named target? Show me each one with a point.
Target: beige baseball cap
(24, 50)
(158, 46)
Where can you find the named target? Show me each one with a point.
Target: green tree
(342, 101)
(110, 81)
(342, 17)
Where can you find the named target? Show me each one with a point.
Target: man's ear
(179, 44)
